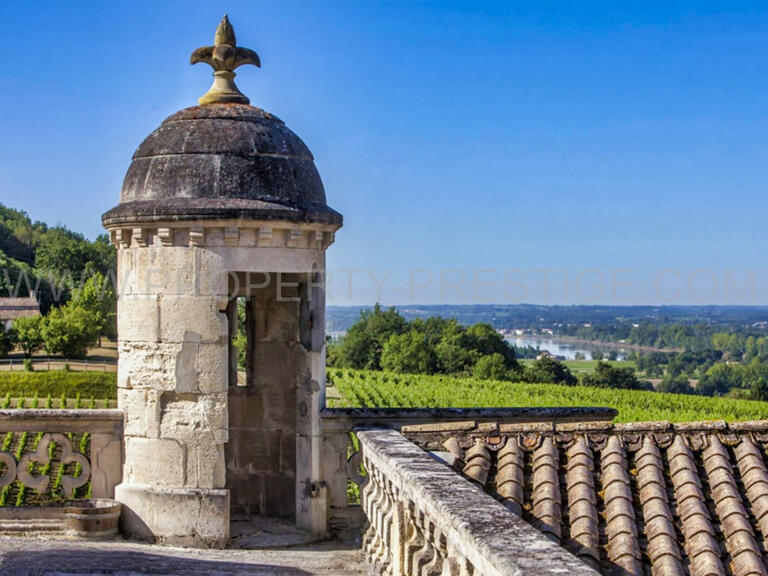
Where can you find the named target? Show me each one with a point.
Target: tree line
(382, 339)
(717, 372)
(70, 276)
(735, 340)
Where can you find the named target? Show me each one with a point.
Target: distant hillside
(508, 316)
(35, 256)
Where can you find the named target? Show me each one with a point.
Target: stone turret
(222, 209)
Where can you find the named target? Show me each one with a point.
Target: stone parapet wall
(341, 457)
(425, 519)
(38, 464)
(452, 419)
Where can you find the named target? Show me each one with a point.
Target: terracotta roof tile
(510, 475)
(754, 478)
(582, 502)
(546, 488)
(654, 498)
(478, 463)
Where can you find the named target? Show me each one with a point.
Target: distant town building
(12, 308)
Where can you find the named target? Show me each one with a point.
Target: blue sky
(552, 152)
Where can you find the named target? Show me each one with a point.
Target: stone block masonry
(423, 518)
(216, 195)
(196, 440)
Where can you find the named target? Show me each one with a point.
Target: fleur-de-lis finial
(224, 56)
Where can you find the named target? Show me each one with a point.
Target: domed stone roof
(222, 161)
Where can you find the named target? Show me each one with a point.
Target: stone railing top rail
(64, 421)
(397, 417)
(495, 540)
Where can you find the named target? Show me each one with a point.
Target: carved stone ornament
(224, 56)
(42, 457)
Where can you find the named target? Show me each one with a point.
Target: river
(554, 346)
(567, 350)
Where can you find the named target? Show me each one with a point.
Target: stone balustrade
(424, 519)
(342, 459)
(98, 459)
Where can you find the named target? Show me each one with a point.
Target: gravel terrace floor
(53, 557)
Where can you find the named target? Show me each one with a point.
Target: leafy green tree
(436, 328)
(70, 330)
(755, 379)
(97, 296)
(358, 349)
(18, 234)
(597, 355)
(548, 370)
(240, 340)
(609, 376)
(103, 256)
(445, 345)
(675, 385)
(652, 364)
(656, 371)
(62, 250)
(719, 380)
(408, 353)
(363, 345)
(732, 345)
(332, 347)
(485, 341)
(453, 351)
(29, 333)
(759, 389)
(690, 362)
(16, 278)
(453, 358)
(762, 349)
(491, 367)
(750, 349)
(65, 258)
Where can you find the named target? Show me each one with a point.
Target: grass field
(57, 383)
(365, 388)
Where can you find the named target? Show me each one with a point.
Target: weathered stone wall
(426, 519)
(261, 453)
(174, 378)
(172, 385)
